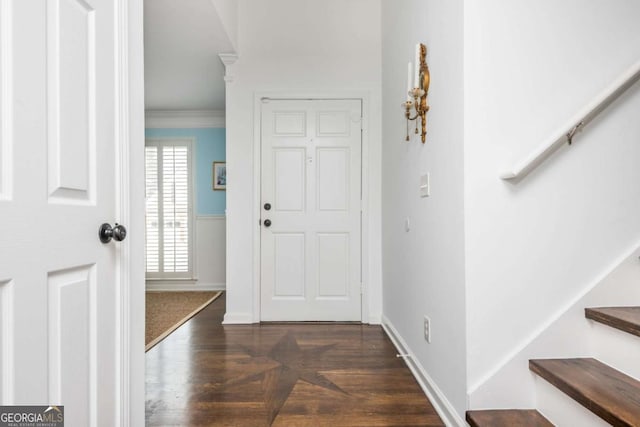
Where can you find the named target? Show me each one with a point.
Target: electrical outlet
(427, 329)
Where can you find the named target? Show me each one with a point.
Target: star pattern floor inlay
(293, 365)
(207, 374)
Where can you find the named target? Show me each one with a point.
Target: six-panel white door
(59, 321)
(311, 215)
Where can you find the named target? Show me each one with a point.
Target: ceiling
(182, 40)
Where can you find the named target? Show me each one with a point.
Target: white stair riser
(616, 348)
(562, 410)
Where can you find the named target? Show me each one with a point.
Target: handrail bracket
(573, 132)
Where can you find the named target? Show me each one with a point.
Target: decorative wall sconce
(417, 92)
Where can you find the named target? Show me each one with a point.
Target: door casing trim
(129, 146)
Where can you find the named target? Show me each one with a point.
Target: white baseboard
(436, 397)
(177, 286)
(238, 319)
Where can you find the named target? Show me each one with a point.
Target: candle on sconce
(409, 71)
(416, 80)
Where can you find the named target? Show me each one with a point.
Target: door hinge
(361, 288)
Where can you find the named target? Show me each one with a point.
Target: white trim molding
(130, 398)
(238, 319)
(184, 119)
(211, 217)
(437, 398)
(169, 286)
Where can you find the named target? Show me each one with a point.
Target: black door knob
(117, 233)
(267, 223)
(267, 206)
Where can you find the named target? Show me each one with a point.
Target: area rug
(167, 311)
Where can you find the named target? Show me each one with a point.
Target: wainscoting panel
(211, 251)
(210, 258)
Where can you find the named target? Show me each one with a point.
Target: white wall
(228, 14)
(424, 268)
(533, 247)
(310, 48)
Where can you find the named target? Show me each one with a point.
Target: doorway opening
(185, 155)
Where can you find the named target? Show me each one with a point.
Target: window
(169, 236)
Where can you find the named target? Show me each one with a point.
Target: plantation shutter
(168, 209)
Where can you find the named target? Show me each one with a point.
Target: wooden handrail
(576, 124)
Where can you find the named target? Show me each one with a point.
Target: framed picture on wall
(220, 176)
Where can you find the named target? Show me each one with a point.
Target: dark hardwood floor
(207, 374)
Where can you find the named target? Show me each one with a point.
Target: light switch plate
(425, 185)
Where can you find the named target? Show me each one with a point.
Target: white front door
(59, 316)
(310, 210)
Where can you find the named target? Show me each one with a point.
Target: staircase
(603, 390)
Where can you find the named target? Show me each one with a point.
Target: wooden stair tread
(626, 319)
(608, 393)
(507, 418)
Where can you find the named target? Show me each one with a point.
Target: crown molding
(165, 119)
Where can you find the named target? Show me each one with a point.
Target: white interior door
(58, 282)
(311, 192)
